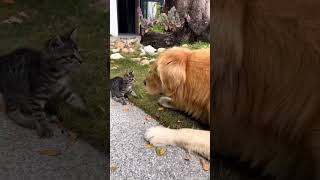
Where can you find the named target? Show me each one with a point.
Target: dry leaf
(50, 152)
(148, 146)
(148, 118)
(113, 168)
(161, 151)
(125, 109)
(160, 109)
(205, 164)
(72, 137)
(8, 1)
(187, 157)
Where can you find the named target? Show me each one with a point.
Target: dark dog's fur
(266, 86)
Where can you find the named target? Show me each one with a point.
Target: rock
(152, 60)
(116, 56)
(160, 50)
(124, 50)
(149, 50)
(119, 45)
(131, 50)
(136, 59)
(142, 54)
(185, 45)
(144, 62)
(115, 50)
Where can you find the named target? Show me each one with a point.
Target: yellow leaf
(161, 151)
(113, 168)
(148, 146)
(205, 164)
(125, 109)
(72, 137)
(50, 152)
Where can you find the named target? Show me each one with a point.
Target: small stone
(115, 50)
(160, 50)
(144, 62)
(136, 59)
(185, 45)
(119, 44)
(152, 60)
(131, 50)
(149, 50)
(142, 54)
(116, 56)
(124, 50)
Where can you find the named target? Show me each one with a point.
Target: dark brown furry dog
(183, 77)
(266, 70)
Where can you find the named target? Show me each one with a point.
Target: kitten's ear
(73, 34)
(56, 42)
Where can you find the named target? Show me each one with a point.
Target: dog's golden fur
(184, 76)
(266, 69)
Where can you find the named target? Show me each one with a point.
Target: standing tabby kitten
(30, 78)
(121, 87)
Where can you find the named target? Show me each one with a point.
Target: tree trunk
(199, 16)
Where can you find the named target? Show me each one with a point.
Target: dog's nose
(144, 82)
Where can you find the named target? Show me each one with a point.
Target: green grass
(48, 18)
(196, 45)
(149, 104)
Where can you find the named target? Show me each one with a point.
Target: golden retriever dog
(182, 76)
(266, 65)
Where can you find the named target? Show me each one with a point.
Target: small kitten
(29, 78)
(121, 87)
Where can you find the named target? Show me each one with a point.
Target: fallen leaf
(125, 109)
(161, 151)
(113, 168)
(72, 137)
(187, 157)
(160, 109)
(148, 118)
(50, 152)
(148, 146)
(8, 1)
(205, 164)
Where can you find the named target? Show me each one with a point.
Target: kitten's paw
(160, 136)
(44, 132)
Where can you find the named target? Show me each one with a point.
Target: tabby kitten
(29, 78)
(121, 87)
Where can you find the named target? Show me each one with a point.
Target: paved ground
(20, 158)
(131, 160)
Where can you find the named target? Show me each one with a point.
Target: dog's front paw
(160, 136)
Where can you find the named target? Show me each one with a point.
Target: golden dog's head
(168, 73)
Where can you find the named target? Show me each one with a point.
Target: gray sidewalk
(20, 158)
(130, 159)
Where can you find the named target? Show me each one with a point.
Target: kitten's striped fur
(30, 78)
(122, 87)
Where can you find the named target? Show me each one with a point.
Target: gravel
(20, 158)
(130, 159)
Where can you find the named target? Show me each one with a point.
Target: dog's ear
(172, 73)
